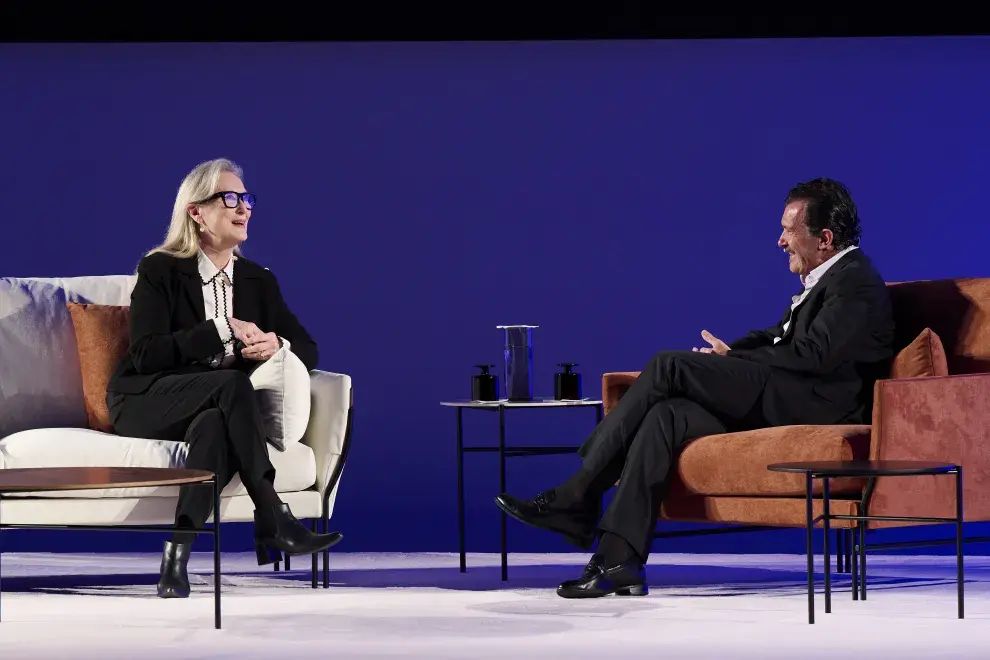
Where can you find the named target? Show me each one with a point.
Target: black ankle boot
(174, 581)
(287, 534)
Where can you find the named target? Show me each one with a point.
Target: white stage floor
(420, 606)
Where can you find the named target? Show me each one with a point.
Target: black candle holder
(484, 386)
(567, 384)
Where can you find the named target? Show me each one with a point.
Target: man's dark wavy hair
(829, 206)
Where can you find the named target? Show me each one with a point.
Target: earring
(201, 228)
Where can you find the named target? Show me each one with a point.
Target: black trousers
(679, 396)
(217, 415)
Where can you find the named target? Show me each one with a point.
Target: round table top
(864, 468)
(94, 478)
(535, 403)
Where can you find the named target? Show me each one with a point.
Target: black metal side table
(826, 470)
(505, 452)
(63, 479)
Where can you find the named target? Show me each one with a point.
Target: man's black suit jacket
(840, 341)
(169, 331)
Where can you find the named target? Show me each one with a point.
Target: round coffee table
(826, 470)
(27, 480)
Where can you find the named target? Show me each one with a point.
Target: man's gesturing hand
(717, 345)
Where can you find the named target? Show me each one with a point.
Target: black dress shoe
(625, 579)
(174, 580)
(288, 535)
(577, 525)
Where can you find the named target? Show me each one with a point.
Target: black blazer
(840, 341)
(169, 330)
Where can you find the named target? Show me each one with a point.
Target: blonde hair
(182, 239)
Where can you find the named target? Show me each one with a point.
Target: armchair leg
(326, 553)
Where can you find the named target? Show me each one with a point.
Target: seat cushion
(295, 468)
(735, 464)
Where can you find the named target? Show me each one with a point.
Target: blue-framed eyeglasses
(231, 199)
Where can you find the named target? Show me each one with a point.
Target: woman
(201, 318)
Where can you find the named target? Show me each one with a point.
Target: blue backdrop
(621, 195)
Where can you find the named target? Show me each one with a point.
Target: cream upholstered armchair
(44, 421)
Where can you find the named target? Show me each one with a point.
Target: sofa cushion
(735, 464)
(295, 468)
(101, 341)
(923, 357)
(40, 383)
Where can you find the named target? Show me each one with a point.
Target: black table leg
(854, 559)
(847, 535)
(501, 488)
(959, 539)
(828, 555)
(862, 560)
(460, 491)
(840, 550)
(810, 524)
(216, 552)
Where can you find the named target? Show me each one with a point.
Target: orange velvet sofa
(942, 417)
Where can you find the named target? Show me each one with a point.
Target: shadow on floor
(694, 580)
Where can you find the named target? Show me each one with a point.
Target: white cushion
(40, 382)
(295, 468)
(281, 384)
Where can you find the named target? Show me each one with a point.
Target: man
(817, 366)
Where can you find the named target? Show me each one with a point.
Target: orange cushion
(102, 337)
(925, 356)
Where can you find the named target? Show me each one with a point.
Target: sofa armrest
(614, 385)
(941, 419)
(329, 431)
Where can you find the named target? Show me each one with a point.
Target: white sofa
(43, 423)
